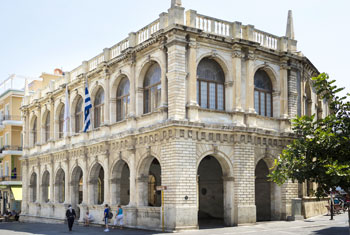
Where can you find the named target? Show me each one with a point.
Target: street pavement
(320, 225)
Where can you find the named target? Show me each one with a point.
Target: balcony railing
(11, 148)
(11, 178)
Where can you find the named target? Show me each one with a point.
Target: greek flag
(87, 107)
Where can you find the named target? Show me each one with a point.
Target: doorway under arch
(211, 193)
(120, 184)
(262, 192)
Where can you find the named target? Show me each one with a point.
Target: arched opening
(262, 192)
(99, 108)
(211, 192)
(123, 99)
(77, 186)
(33, 187)
(263, 100)
(120, 187)
(152, 89)
(210, 85)
(61, 122)
(47, 127)
(78, 115)
(96, 186)
(308, 100)
(45, 187)
(34, 132)
(60, 186)
(149, 178)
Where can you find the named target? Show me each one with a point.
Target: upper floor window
(79, 115)
(61, 122)
(47, 127)
(123, 99)
(99, 108)
(263, 94)
(210, 85)
(34, 131)
(152, 88)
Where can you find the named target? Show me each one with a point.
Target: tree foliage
(321, 150)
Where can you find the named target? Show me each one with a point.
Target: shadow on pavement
(333, 230)
(53, 229)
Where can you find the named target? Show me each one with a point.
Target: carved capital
(251, 56)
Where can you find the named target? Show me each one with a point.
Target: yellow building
(11, 95)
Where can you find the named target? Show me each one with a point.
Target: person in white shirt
(88, 219)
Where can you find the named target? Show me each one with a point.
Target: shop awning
(17, 193)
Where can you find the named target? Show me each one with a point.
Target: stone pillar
(229, 201)
(284, 89)
(132, 80)
(292, 94)
(38, 188)
(26, 129)
(177, 76)
(249, 83)
(181, 208)
(133, 192)
(107, 198)
(289, 191)
(164, 90)
(25, 186)
(192, 98)
(52, 119)
(40, 141)
(237, 73)
(107, 97)
(244, 185)
(52, 180)
(85, 179)
(67, 181)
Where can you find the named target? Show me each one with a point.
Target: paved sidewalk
(320, 225)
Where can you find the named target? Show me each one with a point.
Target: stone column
(52, 179)
(107, 96)
(107, 198)
(67, 181)
(38, 191)
(284, 89)
(85, 179)
(25, 186)
(244, 184)
(292, 94)
(26, 129)
(132, 80)
(289, 191)
(237, 73)
(192, 103)
(52, 119)
(133, 192)
(40, 141)
(177, 76)
(229, 201)
(163, 66)
(249, 84)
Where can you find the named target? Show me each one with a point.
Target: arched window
(98, 108)
(33, 187)
(123, 99)
(61, 122)
(79, 115)
(34, 132)
(210, 85)
(263, 94)
(47, 127)
(152, 89)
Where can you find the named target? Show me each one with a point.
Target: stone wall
(313, 207)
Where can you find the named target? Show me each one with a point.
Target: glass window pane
(204, 90)
(256, 101)
(212, 95)
(262, 102)
(146, 100)
(198, 92)
(220, 97)
(268, 105)
(158, 95)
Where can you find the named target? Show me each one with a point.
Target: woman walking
(119, 217)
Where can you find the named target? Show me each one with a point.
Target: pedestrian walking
(70, 215)
(106, 215)
(119, 217)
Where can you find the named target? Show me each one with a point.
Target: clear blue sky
(39, 35)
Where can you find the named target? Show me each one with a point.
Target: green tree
(321, 149)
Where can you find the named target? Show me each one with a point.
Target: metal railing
(11, 148)
(11, 178)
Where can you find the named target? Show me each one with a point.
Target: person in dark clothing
(70, 214)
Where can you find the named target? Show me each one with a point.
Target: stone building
(197, 104)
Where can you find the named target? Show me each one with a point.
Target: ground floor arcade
(210, 176)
